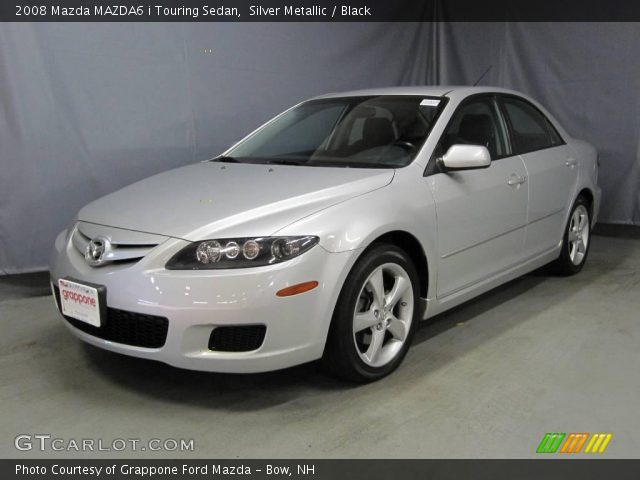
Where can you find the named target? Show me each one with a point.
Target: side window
(529, 127)
(476, 123)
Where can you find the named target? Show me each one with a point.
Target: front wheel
(375, 316)
(577, 239)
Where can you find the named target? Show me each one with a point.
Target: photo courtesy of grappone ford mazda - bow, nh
(330, 232)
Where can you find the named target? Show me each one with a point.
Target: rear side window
(530, 129)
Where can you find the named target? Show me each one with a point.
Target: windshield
(367, 132)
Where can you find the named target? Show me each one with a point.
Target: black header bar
(319, 10)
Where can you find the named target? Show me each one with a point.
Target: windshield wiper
(225, 159)
(285, 161)
(350, 164)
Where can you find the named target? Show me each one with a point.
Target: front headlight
(239, 252)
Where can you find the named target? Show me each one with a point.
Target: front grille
(128, 328)
(118, 253)
(237, 338)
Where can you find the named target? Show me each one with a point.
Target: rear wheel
(577, 239)
(375, 316)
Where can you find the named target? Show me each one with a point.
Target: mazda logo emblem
(96, 251)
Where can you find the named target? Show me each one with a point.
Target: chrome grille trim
(79, 241)
(123, 252)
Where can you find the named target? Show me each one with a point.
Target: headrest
(476, 129)
(378, 131)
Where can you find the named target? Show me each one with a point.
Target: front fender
(355, 224)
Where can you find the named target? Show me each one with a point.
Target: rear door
(481, 213)
(551, 168)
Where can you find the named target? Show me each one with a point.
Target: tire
(576, 240)
(368, 339)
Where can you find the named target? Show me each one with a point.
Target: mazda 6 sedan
(330, 232)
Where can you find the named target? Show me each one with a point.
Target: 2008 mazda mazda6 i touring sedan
(329, 232)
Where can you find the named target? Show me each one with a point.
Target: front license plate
(80, 301)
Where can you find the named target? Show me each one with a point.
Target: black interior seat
(477, 129)
(376, 132)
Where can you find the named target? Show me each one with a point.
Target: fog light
(296, 289)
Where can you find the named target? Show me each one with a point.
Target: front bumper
(196, 302)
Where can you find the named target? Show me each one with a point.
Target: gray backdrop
(88, 108)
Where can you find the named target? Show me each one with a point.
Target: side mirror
(465, 157)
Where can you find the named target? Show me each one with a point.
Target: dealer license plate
(80, 301)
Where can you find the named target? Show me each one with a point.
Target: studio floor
(488, 379)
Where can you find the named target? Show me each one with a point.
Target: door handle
(516, 180)
(571, 162)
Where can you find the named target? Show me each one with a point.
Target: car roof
(435, 91)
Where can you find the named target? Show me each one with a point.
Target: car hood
(229, 200)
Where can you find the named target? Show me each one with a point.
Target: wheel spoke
(582, 223)
(573, 236)
(376, 284)
(397, 328)
(377, 338)
(584, 235)
(364, 320)
(397, 291)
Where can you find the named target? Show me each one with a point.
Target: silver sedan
(330, 232)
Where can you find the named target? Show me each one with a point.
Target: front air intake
(127, 328)
(237, 338)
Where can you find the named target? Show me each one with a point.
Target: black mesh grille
(129, 328)
(237, 338)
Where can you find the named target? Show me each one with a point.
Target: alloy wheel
(383, 315)
(578, 238)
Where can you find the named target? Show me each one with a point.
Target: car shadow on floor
(248, 392)
(24, 285)
(209, 389)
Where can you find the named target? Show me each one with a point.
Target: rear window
(530, 129)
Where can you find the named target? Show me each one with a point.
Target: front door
(481, 213)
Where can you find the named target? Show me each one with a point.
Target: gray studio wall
(88, 108)
(586, 74)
